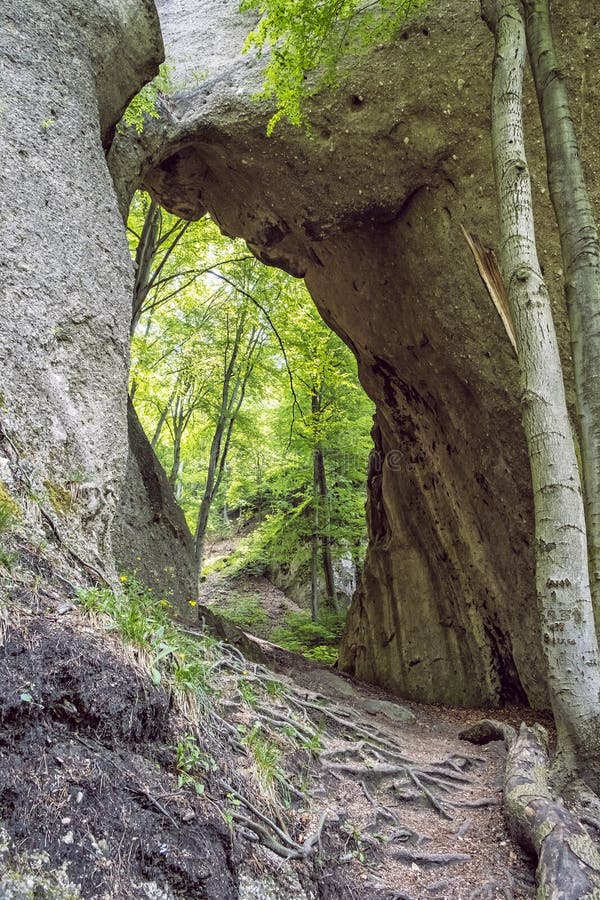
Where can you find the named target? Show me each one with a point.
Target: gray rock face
(369, 209)
(150, 535)
(67, 70)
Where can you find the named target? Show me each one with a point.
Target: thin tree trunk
(161, 421)
(144, 258)
(178, 429)
(581, 259)
(323, 499)
(314, 545)
(208, 495)
(201, 526)
(562, 581)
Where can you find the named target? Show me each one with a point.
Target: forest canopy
(251, 403)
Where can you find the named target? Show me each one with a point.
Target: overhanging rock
(67, 71)
(368, 209)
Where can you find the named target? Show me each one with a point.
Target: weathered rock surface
(369, 209)
(150, 533)
(67, 70)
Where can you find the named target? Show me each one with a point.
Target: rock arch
(368, 211)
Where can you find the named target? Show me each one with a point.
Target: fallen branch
(433, 859)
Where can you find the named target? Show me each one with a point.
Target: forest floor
(250, 601)
(438, 833)
(367, 797)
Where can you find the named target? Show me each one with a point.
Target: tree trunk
(201, 526)
(176, 464)
(144, 258)
(208, 495)
(568, 859)
(323, 500)
(562, 581)
(314, 545)
(581, 260)
(161, 421)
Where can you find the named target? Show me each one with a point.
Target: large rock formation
(368, 209)
(67, 70)
(150, 534)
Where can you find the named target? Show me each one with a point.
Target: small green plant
(228, 813)
(355, 846)
(47, 125)
(314, 744)
(191, 761)
(322, 653)
(274, 688)
(248, 693)
(266, 755)
(144, 104)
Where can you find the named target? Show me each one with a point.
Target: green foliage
(9, 509)
(141, 619)
(315, 640)
(179, 353)
(248, 693)
(303, 36)
(244, 610)
(144, 105)
(266, 754)
(192, 762)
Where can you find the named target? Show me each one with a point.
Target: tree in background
(250, 401)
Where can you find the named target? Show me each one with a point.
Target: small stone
(68, 838)
(79, 797)
(66, 820)
(392, 710)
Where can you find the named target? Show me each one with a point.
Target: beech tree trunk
(321, 521)
(568, 858)
(562, 580)
(581, 259)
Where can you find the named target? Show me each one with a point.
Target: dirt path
(418, 810)
(436, 833)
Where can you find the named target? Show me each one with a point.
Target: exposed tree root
(432, 859)
(568, 859)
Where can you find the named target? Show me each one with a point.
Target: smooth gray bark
(581, 259)
(562, 581)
